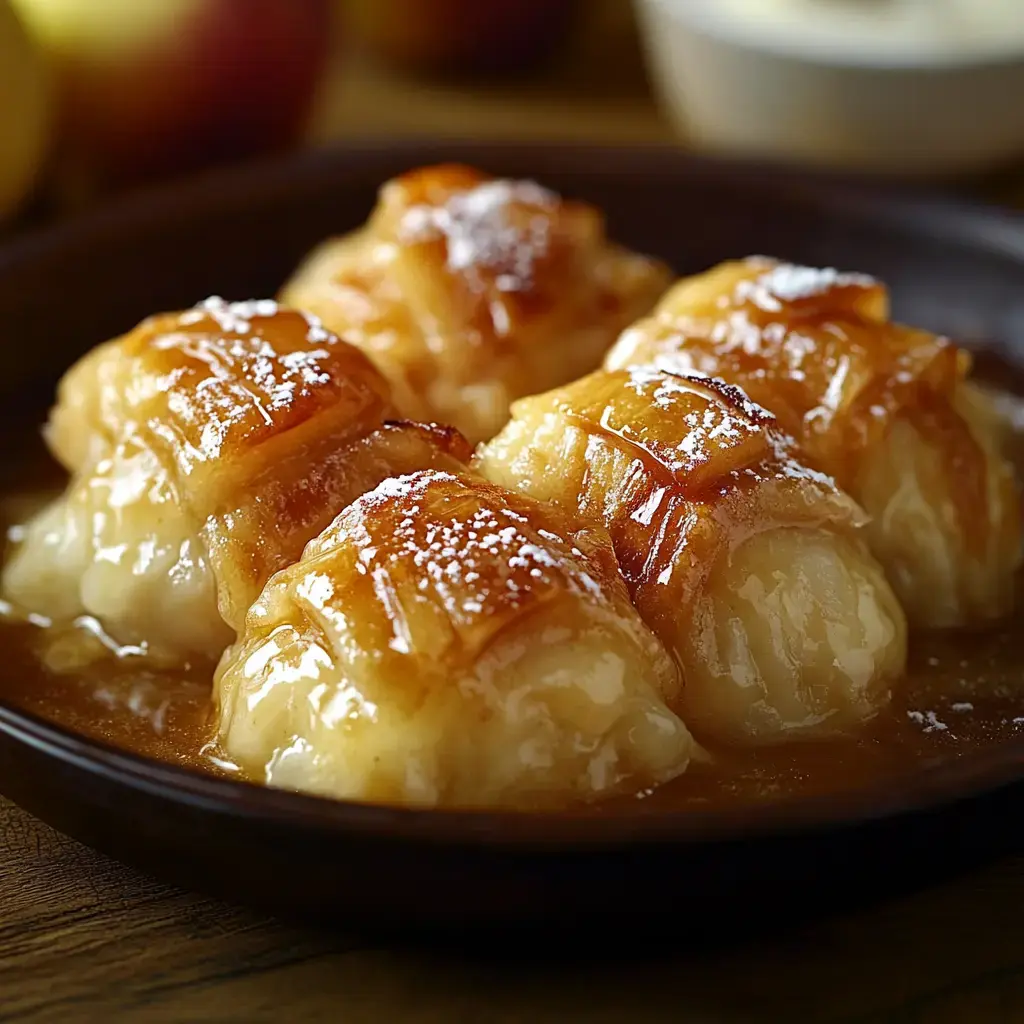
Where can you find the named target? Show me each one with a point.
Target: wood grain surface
(84, 939)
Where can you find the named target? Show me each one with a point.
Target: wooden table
(83, 938)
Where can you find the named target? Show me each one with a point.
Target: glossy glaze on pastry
(469, 291)
(748, 565)
(445, 642)
(884, 408)
(652, 552)
(958, 700)
(206, 448)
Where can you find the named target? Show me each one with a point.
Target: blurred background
(99, 97)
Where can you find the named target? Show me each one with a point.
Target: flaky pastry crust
(446, 642)
(884, 408)
(469, 291)
(725, 538)
(206, 448)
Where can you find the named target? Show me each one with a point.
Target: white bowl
(739, 91)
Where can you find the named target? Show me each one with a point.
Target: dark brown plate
(954, 268)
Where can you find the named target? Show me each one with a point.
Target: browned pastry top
(448, 560)
(217, 381)
(814, 346)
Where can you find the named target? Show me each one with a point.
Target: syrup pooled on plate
(962, 693)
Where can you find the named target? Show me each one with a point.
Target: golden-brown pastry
(469, 291)
(746, 564)
(206, 448)
(883, 407)
(445, 642)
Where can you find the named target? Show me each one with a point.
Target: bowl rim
(701, 19)
(929, 788)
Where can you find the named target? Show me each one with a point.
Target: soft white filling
(118, 546)
(541, 717)
(798, 636)
(946, 572)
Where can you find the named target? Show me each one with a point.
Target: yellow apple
(150, 88)
(24, 111)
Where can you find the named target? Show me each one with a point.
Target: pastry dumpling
(447, 643)
(469, 291)
(206, 448)
(746, 564)
(883, 407)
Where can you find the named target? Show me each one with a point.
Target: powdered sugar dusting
(789, 282)
(461, 541)
(237, 317)
(718, 417)
(929, 720)
(246, 365)
(481, 232)
(810, 343)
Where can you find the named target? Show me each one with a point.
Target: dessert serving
(469, 291)
(768, 548)
(749, 566)
(206, 448)
(886, 409)
(446, 642)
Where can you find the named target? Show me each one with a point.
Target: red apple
(156, 87)
(462, 35)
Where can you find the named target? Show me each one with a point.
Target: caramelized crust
(207, 447)
(264, 527)
(447, 642)
(816, 347)
(451, 561)
(688, 473)
(680, 467)
(469, 291)
(693, 430)
(214, 390)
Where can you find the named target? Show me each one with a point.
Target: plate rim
(993, 225)
(934, 787)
